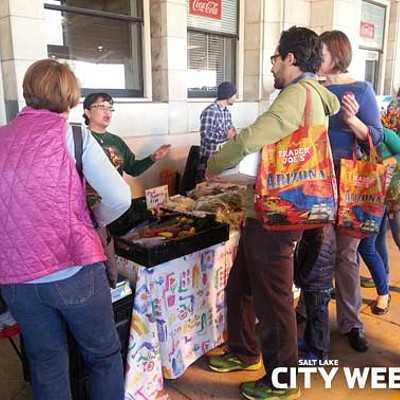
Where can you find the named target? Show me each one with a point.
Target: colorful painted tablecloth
(178, 316)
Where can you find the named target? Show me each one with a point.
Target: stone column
(343, 15)
(252, 50)
(392, 75)
(169, 59)
(262, 26)
(22, 41)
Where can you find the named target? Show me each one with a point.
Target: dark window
(102, 42)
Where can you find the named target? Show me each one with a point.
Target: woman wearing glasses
(98, 109)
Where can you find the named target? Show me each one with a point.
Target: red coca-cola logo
(206, 8)
(367, 30)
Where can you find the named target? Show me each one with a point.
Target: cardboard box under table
(179, 305)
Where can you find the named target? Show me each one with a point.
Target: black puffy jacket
(315, 259)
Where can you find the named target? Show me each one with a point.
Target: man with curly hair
(261, 279)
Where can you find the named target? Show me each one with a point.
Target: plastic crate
(167, 250)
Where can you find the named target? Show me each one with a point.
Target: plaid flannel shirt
(215, 121)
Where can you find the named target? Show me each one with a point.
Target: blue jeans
(374, 263)
(317, 331)
(392, 220)
(83, 302)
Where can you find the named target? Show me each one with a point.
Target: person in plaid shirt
(216, 125)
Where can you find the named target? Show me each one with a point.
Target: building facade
(162, 60)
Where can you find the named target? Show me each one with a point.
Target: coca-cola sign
(367, 30)
(206, 8)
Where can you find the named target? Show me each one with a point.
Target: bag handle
(373, 156)
(78, 147)
(307, 109)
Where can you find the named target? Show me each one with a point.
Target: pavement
(199, 383)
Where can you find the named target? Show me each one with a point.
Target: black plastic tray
(170, 249)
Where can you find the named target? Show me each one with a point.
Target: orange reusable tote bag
(362, 191)
(296, 184)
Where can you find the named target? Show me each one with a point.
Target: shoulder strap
(307, 109)
(78, 147)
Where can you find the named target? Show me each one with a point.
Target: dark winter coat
(315, 259)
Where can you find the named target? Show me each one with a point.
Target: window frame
(378, 78)
(196, 94)
(122, 93)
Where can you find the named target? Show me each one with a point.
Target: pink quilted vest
(45, 224)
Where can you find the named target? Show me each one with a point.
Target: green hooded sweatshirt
(285, 115)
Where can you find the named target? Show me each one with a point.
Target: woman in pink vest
(51, 260)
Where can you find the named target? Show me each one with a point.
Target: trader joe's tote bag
(295, 183)
(362, 191)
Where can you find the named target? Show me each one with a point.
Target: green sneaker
(367, 282)
(259, 390)
(229, 362)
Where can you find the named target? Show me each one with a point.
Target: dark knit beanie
(226, 90)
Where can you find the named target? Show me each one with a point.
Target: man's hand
(230, 133)
(161, 152)
(210, 177)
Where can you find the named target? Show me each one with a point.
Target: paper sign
(156, 196)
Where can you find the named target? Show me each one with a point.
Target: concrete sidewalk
(382, 331)
(199, 383)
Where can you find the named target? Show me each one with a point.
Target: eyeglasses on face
(274, 57)
(102, 107)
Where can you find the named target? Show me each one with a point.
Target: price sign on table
(156, 196)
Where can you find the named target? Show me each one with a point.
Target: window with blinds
(211, 47)
(101, 41)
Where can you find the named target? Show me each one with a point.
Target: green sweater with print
(390, 147)
(121, 155)
(285, 115)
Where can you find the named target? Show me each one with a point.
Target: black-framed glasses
(274, 57)
(102, 107)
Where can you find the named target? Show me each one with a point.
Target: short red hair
(50, 85)
(338, 44)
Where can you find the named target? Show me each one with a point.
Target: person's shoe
(378, 310)
(367, 282)
(219, 350)
(259, 390)
(229, 363)
(357, 340)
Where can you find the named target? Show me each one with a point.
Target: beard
(278, 84)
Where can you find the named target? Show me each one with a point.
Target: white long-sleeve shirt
(103, 177)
